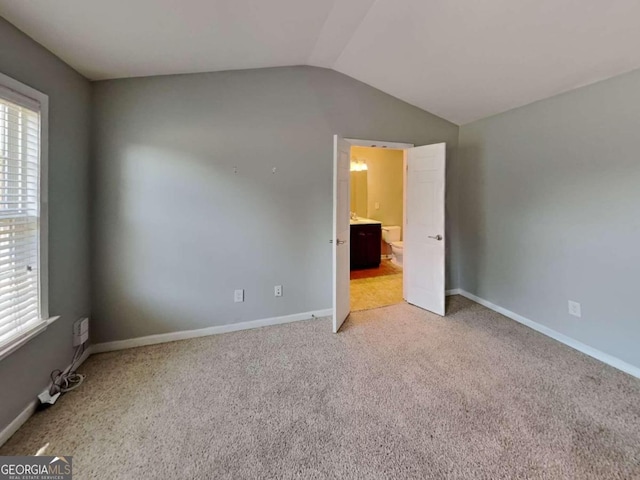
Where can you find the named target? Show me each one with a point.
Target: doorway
(377, 181)
(421, 268)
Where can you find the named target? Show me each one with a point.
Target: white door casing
(341, 231)
(424, 243)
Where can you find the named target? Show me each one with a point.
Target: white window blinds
(19, 217)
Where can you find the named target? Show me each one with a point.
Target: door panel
(341, 231)
(424, 244)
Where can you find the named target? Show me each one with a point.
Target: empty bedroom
(319, 239)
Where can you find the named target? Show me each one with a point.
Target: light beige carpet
(399, 393)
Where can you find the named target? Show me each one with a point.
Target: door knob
(340, 242)
(437, 237)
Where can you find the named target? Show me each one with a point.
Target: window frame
(19, 92)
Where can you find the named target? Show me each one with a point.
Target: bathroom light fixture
(358, 166)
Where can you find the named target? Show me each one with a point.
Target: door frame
(356, 142)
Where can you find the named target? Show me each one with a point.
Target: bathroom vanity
(366, 235)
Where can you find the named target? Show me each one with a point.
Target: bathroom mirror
(359, 194)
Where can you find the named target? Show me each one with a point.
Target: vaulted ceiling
(462, 59)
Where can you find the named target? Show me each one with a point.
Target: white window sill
(25, 337)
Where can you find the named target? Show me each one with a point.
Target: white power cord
(67, 380)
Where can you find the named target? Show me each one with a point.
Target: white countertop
(364, 221)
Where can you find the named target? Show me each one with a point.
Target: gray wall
(25, 373)
(550, 211)
(176, 231)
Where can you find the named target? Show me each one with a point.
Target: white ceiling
(462, 60)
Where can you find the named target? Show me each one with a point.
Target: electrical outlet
(377, 205)
(238, 296)
(277, 291)
(574, 309)
(80, 331)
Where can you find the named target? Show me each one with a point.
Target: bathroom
(377, 219)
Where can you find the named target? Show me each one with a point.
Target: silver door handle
(437, 237)
(340, 242)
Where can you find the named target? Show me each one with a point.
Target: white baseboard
(30, 409)
(560, 337)
(204, 332)
(17, 422)
(10, 429)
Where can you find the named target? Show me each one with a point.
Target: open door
(341, 231)
(424, 251)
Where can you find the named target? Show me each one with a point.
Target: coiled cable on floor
(67, 380)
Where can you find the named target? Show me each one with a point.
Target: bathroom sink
(364, 221)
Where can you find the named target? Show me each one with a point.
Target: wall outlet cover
(277, 291)
(574, 309)
(80, 331)
(238, 296)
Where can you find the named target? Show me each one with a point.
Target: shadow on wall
(452, 217)
(472, 238)
(183, 236)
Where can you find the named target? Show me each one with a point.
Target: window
(23, 306)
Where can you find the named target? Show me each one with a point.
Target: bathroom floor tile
(375, 292)
(387, 267)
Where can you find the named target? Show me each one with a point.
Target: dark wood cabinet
(365, 246)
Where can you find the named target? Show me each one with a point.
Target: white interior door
(424, 251)
(341, 231)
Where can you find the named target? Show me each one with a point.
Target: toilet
(396, 252)
(392, 235)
